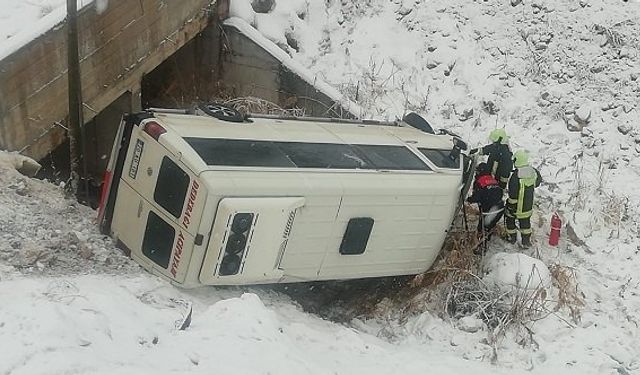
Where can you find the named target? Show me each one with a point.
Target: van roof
(275, 129)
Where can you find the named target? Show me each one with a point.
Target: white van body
(203, 201)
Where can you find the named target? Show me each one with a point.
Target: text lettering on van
(135, 161)
(193, 194)
(177, 254)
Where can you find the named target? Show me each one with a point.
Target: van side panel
(408, 227)
(411, 213)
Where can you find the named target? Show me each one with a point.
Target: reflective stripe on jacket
(522, 183)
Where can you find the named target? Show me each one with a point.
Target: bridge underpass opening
(188, 76)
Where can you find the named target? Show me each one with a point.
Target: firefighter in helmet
(499, 156)
(522, 183)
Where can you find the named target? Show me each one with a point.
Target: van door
(155, 240)
(158, 207)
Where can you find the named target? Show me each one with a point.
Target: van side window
(392, 157)
(356, 236)
(158, 240)
(441, 158)
(323, 155)
(171, 187)
(253, 153)
(240, 153)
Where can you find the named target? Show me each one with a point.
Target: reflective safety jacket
(522, 183)
(499, 160)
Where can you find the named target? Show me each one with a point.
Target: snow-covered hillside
(561, 76)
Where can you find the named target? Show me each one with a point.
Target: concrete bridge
(145, 53)
(117, 48)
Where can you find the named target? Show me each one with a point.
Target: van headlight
(236, 244)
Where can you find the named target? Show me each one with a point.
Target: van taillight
(106, 183)
(154, 129)
(236, 244)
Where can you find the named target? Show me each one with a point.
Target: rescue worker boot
(526, 240)
(513, 238)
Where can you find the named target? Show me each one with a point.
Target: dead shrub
(569, 296)
(252, 104)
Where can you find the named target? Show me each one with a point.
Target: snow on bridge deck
(118, 45)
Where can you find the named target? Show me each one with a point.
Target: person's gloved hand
(473, 151)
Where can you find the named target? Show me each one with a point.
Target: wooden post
(75, 97)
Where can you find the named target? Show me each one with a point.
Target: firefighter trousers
(524, 224)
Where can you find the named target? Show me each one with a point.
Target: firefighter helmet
(499, 135)
(520, 159)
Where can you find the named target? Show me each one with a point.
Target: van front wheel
(222, 112)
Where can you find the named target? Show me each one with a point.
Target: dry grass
(569, 296)
(614, 212)
(252, 104)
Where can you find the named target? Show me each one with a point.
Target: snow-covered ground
(562, 77)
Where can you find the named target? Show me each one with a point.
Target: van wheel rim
(222, 111)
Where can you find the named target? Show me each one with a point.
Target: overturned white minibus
(202, 200)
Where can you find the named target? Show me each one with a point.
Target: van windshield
(253, 153)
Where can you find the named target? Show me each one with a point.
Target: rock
(432, 48)
(470, 324)
(586, 132)
(608, 106)
(583, 114)
(466, 114)
(490, 107)
(633, 76)
(515, 2)
(617, 112)
(556, 68)
(624, 128)
(432, 64)
(624, 147)
(625, 52)
(541, 46)
(543, 102)
(574, 126)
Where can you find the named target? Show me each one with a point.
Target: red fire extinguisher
(556, 224)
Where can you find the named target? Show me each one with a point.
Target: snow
(73, 303)
(269, 46)
(521, 271)
(21, 21)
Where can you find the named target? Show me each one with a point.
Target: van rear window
(252, 153)
(158, 240)
(171, 187)
(441, 158)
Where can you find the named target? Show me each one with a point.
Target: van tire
(222, 112)
(416, 121)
